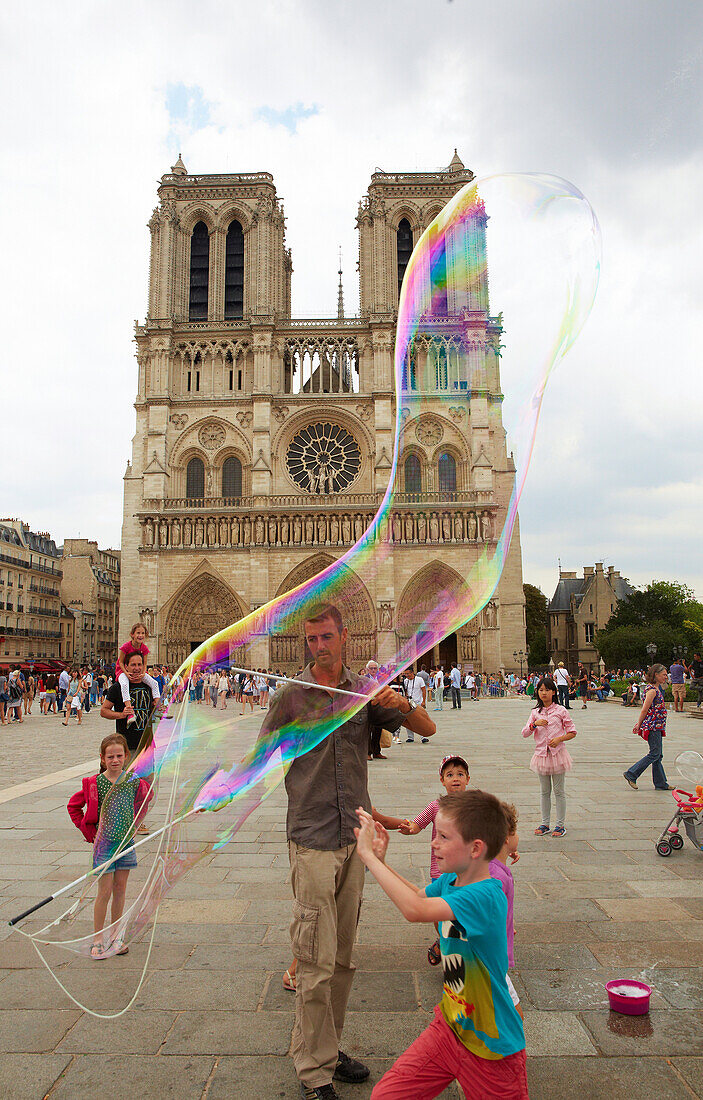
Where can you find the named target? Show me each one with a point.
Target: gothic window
(447, 475)
(199, 271)
(232, 478)
(413, 474)
(404, 247)
(195, 479)
(234, 273)
(323, 458)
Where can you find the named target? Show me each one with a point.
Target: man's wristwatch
(412, 706)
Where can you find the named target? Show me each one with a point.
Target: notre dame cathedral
(264, 442)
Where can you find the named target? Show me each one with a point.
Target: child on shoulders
(476, 1037)
(136, 644)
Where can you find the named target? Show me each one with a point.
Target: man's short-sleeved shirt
(676, 672)
(476, 1002)
(141, 700)
(327, 783)
(455, 677)
(64, 680)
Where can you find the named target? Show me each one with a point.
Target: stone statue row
(404, 528)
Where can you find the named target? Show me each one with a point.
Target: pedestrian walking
(651, 725)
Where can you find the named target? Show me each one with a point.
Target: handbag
(386, 739)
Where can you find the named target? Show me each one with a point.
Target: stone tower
(264, 443)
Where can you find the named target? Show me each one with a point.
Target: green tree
(665, 613)
(536, 624)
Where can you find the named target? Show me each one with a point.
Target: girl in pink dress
(550, 725)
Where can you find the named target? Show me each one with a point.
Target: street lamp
(651, 652)
(519, 655)
(679, 651)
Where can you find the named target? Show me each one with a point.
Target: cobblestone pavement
(212, 1019)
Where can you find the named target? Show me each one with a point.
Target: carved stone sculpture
(149, 533)
(259, 531)
(346, 530)
(199, 532)
(284, 530)
(422, 527)
(485, 526)
(224, 534)
(458, 532)
(386, 616)
(175, 535)
(163, 533)
(187, 533)
(297, 530)
(334, 530)
(473, 527)
(434, 527)
(246, 531)
(446, 527)
(211, 532)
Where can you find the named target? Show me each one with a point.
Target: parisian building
(30, 596)
(91, 590)
(579, 608)
(263, 442)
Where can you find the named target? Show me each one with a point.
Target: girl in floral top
(550, 725)
(111, 811)
(651, 725)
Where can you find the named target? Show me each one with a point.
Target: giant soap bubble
(533, 240)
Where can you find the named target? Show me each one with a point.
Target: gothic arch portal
(202, 607)
(288, 652)
(435, 584)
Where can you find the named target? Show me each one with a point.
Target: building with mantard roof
(579, 608)
(91, 590)
(30, 604)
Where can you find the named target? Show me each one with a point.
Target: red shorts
(437, 1058)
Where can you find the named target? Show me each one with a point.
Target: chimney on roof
(599, 567)
(588, 570)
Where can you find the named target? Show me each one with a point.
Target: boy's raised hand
(365, 835)
(380, 842)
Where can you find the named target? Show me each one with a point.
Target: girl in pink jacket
(117, 807)
(550, 725)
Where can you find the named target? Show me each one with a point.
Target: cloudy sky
(100, 98)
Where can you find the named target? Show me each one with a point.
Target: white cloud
(608, 95)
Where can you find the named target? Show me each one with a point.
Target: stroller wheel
(676, 841)
(664, 848)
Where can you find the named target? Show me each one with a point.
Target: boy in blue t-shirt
(476, 1036)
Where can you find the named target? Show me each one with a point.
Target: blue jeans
(563, 693)
(653, 757)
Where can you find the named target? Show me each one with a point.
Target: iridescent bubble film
(497, 289)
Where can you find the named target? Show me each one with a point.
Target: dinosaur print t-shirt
(476, 1002)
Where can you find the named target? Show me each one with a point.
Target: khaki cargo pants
(327, 890)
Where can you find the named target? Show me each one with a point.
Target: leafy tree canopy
(665, 613)
(536, 624)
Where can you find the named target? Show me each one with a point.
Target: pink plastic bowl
(628, 996)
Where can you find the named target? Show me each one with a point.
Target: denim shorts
(126, 862)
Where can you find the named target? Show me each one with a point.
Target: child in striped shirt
(454, 777)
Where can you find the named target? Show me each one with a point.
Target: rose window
(323, 458)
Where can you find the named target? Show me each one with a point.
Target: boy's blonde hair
(511, 816)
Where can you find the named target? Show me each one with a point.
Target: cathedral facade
(263, 443)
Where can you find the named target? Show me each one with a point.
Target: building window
(447, 476)
(234, 273)
(195, 479)
(404, 248)
(232, 478)
(438, 275)
(199, 272)
(413, 474)
(590, 631)
(323, 458)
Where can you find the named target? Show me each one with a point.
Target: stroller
(689, 811)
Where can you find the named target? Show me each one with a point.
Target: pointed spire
(340, 292)
(179, 168)
(456, 164)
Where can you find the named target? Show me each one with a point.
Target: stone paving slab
(603, 1079)
(28, 1076)
(212, 1018)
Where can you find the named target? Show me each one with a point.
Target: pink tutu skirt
(554, 763)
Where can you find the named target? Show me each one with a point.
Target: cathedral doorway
(448, 651)
(433, 585)
(288, 652)
(203, 607)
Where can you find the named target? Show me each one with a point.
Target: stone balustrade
(454, 524)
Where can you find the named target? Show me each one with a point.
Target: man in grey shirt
(325, 786)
